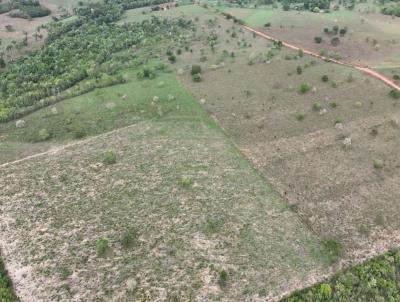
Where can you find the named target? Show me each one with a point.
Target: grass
(140, 14)
(110, 158)
(94, 113)
(173, 232)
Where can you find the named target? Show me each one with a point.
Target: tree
(318, 40)
(335, 41)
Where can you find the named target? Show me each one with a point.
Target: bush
(378, 163)
(300, 116)
(318, 40)
(304, 87)
(102, 246)
(325, 78)
(299, 70)
(129, 238)
(43, 135)
(110, 158)
(335, 41)
(223, 278)
(325, 290)
(301, 53)
(394, 93)
(172, 58)
(195, 69)
(185, 181)
(196, 77)
(268, 24)
(6, 290)
(333, 248)
(317, 106)
(396, 77)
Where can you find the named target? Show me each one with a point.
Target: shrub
(396, 77)
(172, 58)
(195, 69)
(223, 278)
(110, 158)
(333, 104)
(43, 135)
(394, 93)
(335, 41)
(350, 78)
(304, 87)
(102, 246)
(343, 31)
(196, 77)
(299, 70)
(6, 290)
(129, 239)
(268, 24)
(338, 120)
(334, 249)
(325, 290)
(301, 53)
(300, 116)
(325, 78)
(318, 40)
(185, 181)
(363, 229)
(317, 106)
(378, 163)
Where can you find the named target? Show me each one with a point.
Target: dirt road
(366, 70)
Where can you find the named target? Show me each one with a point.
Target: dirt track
(366, 70)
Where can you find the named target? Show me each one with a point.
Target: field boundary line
(363, 69)
(60, 148)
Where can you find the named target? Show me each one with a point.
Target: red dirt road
(366, 70)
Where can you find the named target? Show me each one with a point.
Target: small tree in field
(318, 40)
(195, 69)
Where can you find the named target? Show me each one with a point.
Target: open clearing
(372, 39)
(174, 194)
(338, 192)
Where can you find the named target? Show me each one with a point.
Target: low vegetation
(375, 280)
(6, 290)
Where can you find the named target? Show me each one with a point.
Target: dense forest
(26, 9)
(74, 51)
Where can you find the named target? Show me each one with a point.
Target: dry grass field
(169, 219)
(298, 142)
(372, 39)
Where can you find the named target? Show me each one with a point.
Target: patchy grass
(365, 31)
(77, 200)
(91, 114)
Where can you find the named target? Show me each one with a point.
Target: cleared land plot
(140, 14)
(171, 209)
(372, 39)
(297, 141)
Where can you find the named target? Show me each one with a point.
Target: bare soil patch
(334, 188)
(182, 234)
